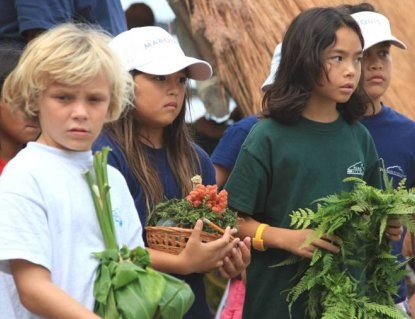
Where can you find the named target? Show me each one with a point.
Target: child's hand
(394, 229)
(238, 259)
(203, 257)
(297, 238)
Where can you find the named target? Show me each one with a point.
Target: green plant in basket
(126, 287)
(202, 202)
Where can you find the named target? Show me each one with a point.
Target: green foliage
(126, 287)
(361, 281)
(180, 213)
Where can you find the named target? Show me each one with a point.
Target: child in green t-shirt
(307, 143)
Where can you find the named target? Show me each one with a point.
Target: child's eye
(384, 53)
(160, 77)
(95, 99)
(63, 98)
(337, 58)
(183, 80)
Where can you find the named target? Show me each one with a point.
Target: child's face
(16, 128)
(342, 62)
(71, 117)
(159, 98)
(377, 66)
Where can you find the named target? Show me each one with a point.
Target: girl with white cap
(392, 132)
(152, 148)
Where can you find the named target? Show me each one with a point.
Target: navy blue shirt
(18, 16)
(158, 157)
(229, 145)
(394, 137)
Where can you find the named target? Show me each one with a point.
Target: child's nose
(351, 69)
(80, 109)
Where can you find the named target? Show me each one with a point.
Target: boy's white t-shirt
(48, 218)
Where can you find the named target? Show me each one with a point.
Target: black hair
(10, 53)
(302, 66)
(355, 8)
(139, 15)
(181, 154)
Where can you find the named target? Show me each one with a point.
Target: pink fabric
(235, 301)
(2, 164)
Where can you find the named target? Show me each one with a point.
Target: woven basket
(173, 239)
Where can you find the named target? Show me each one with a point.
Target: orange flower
(209, 197)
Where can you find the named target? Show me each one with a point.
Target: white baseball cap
(274, 67)
(154, 51)
(375, 29)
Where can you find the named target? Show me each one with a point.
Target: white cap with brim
(154, 51)
(375, 29)
(274, 67)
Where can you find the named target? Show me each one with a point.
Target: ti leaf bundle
(126, 287)
(362, 280)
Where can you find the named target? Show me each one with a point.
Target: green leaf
(140, 257)
(156, 281)
(176, 300)
(132, 305)
(125, 273)
(102, 284)
(293, 259)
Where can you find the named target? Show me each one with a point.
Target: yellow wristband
(257, 241)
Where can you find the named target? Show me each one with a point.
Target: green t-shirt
(281, 168)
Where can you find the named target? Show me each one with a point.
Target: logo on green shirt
(356, 169)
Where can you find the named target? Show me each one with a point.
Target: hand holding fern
(298, 242)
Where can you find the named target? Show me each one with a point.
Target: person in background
(224, 157)
(152, 148)
(392, 132)
(225, 153)
(15, 129)
(311, 114)
(23, 20)
(70, 81)
(139, 14)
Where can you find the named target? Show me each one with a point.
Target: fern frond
(293, 259)
(382, 227)
(359, 220)
(301, 218)
(388, 311)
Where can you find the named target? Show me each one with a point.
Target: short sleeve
(249, 182)
(22, 237)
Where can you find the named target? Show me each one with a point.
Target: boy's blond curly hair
(68, 54)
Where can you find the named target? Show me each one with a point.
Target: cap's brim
(197, 69)
(267, 83)
(391, 39)
(276, 58)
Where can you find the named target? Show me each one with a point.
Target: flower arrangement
(203, 202)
